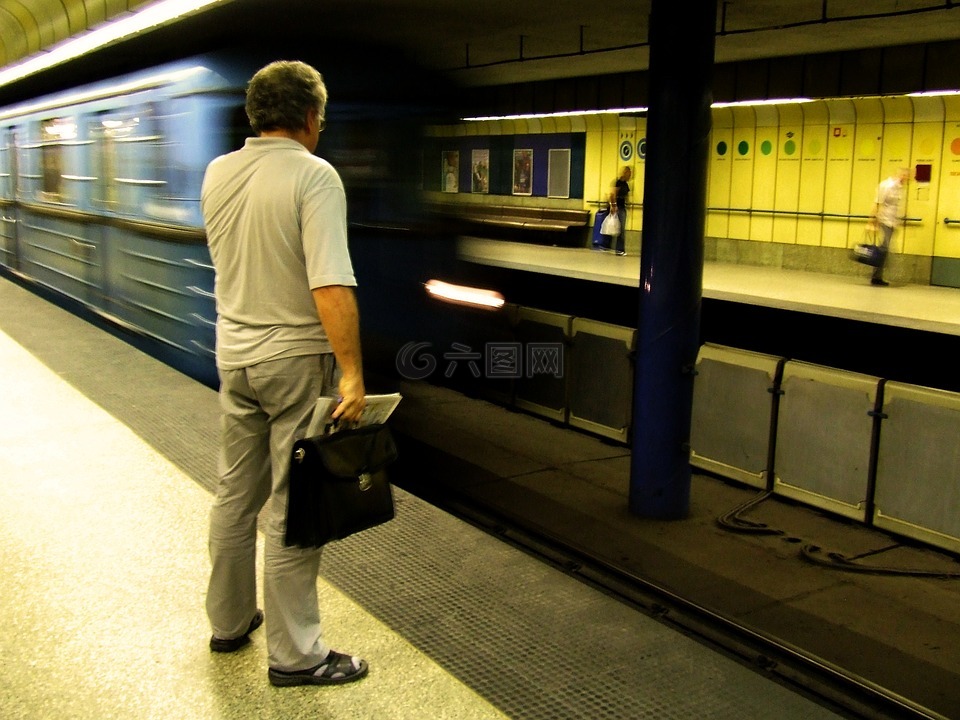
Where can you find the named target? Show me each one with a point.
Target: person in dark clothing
(619, 193)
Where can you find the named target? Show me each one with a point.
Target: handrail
(607, 202)
(806, 213)
(948, 221)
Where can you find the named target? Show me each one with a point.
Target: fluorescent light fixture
(933, 93)
(771, 101)
(465, 295)
(570, 113)
(632, 110)
(132, 23)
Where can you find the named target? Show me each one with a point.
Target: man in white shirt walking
(887, 216)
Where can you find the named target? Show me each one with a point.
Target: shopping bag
(339, 485)
(868, 254)
(600, 240)
(867, 251)
(611, 225)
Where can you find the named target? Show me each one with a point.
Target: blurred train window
(125, 160)
(54, 134)
(103, 130)
(8, 160)
(173, 121)
(24, 182)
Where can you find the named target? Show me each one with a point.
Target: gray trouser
(265, 408)
(886, 235)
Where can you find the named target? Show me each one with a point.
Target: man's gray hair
(280, 95)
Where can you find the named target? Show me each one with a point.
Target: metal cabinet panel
(733, 411)
(601, 377)
(918, 465)
(824, 438)
(544, 338)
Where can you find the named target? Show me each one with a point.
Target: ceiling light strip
(152, 16)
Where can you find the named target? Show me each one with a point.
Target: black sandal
(336, 669)
(233, 644)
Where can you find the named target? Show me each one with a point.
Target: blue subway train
(100, 195)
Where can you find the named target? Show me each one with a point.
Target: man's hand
(352, 400)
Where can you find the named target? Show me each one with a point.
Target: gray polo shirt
(276, 222)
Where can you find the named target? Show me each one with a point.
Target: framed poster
(523, 172)
(450, 179)
(480, 171)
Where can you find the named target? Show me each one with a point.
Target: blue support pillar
(671, 258)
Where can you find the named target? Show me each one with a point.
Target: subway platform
(848, 296)
(108, 458)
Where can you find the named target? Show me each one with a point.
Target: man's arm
(338, 311)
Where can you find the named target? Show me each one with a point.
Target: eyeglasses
(321, 123)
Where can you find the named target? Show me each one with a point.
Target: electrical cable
(812, 553)
(731, 520)
(841, 562)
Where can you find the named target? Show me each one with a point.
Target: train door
(8, 198)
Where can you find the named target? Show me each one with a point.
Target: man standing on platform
(887, 216)
(287, 332)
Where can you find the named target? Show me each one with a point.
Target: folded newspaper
(378, 409)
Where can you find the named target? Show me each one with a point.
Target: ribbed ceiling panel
(29, 26)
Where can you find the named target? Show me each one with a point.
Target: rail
(604, 203)
(793, 213)
(794, 666)
(804, 213)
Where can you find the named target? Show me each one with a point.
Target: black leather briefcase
(339, 485)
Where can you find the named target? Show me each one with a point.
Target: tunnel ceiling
(492, 42)
(29, 26)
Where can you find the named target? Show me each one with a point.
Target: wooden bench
(542, 225)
